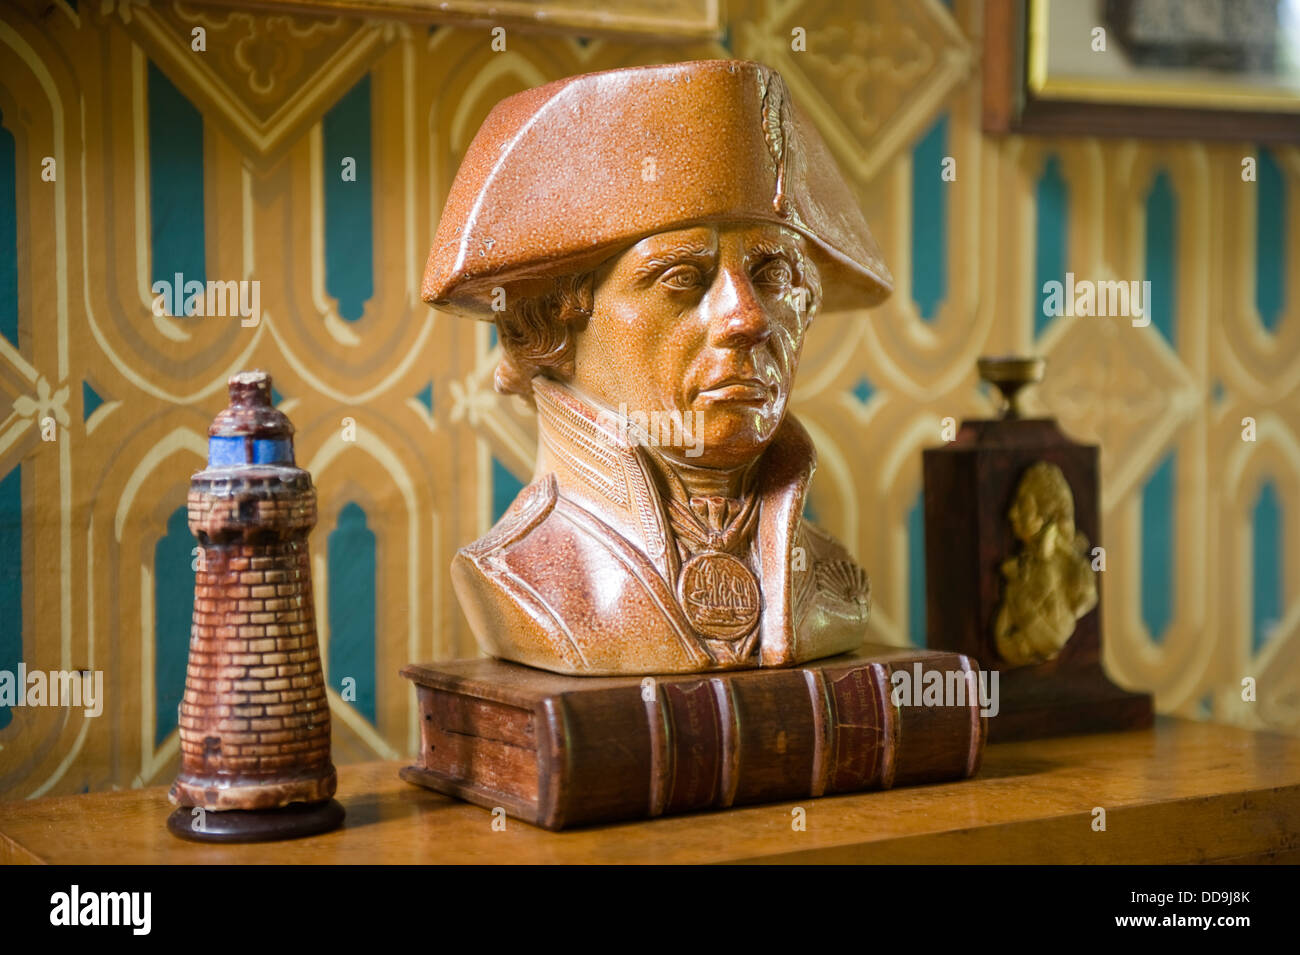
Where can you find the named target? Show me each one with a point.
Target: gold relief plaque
(1050, 582)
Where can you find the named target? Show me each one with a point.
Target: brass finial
(1010, 374)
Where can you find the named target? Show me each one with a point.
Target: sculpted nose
(736, 317)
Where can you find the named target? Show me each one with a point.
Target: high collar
(599, 466)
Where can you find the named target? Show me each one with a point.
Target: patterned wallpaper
(127, 157)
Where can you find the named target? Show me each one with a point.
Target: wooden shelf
(1181, 792)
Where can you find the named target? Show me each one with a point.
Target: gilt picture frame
(1207, 69)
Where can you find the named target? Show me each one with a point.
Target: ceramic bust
(653, 244)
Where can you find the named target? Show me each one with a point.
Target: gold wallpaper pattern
(96, 501)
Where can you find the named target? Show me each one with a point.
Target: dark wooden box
(969, 487)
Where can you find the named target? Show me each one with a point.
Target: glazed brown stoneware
(652, 244)
(254, 721)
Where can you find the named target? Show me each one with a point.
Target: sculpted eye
(682, 278)
(774, 272)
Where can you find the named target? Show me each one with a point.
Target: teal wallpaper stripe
(90, 400)
(1270, 241)
(176, 213)
(1267, 603)
(930, 220)
(349, 217)
(864, 391)
(1162, 255)
(173, 615)
(11, 497)
(1051, 229)
(916, 571)
(505, 487)
(11, 578)
(1158, 531)
(1158, 548)
(351, 558)
(8, 237)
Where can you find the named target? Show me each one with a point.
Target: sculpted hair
(538, 334)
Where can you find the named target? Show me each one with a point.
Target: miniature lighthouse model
(254, 721)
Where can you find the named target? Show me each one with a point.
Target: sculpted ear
(810, 279)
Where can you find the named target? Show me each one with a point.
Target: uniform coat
(579, 575)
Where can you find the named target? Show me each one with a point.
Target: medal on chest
(719, 596)
(717, 591)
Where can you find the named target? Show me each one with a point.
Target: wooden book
(560, 751)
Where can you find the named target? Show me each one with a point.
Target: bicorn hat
(561, 177)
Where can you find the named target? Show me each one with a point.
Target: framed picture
(1205, 69)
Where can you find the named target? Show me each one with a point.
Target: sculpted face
(706, 323)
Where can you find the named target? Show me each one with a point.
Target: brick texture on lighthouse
(254, 720)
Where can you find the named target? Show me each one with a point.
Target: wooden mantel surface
(1181, 792)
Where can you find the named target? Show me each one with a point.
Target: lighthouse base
(256, 825)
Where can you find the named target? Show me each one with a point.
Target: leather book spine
(594, 758)
(937, 742)
(772, 754)
(689, 733)
(862, 729)
(576, 756)
(761, 736)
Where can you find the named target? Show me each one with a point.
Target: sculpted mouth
(737, 389)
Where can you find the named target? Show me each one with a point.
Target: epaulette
(529, 509)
